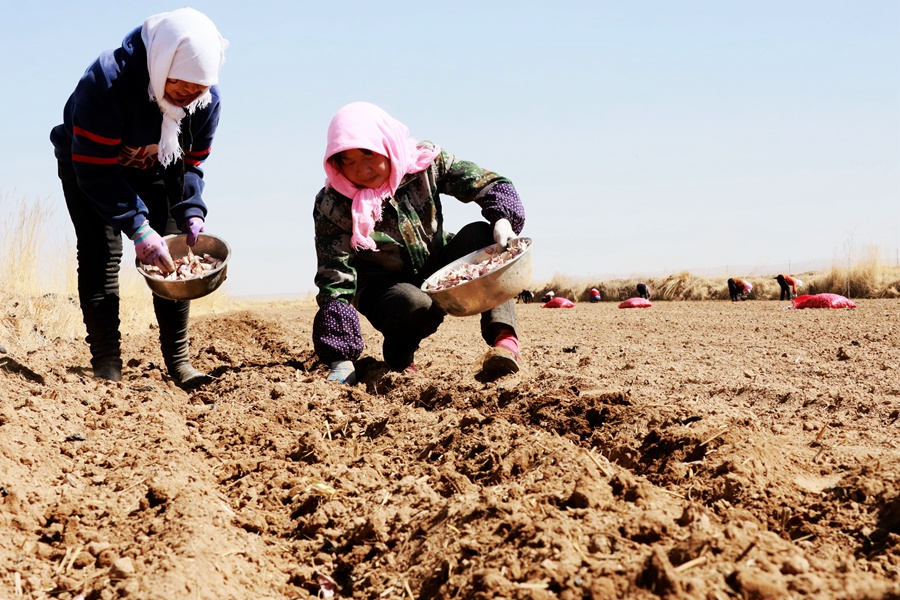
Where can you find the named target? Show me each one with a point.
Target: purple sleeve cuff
(336, 333)
(502, 202)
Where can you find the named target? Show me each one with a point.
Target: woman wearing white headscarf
(135, 130)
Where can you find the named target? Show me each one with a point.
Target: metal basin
(486, 292)
(197, 287)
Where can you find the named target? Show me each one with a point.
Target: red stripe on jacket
(96, 138)
(201, 154)
(95, 160)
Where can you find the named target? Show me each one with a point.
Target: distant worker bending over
(738, 289)
(595, 295)
(643, 291)
(789, 286)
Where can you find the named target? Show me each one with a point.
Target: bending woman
(135, 130)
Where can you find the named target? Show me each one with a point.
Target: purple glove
(151, 249)
(193, 227)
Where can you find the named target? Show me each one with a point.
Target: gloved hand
(503, 232)
(193, 227)
(151, 249)
(342, 371)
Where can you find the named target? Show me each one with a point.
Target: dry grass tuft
(866, 277)
(39, 298)
(39, 289)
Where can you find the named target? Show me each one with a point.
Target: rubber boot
(173, 317)
(103, 338)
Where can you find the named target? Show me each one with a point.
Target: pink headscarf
(364, 126)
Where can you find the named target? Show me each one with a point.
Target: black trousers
(405, 315)
(733, 290)
(99, 254)
(785, 290)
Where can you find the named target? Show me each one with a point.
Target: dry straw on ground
(38, 283)
(867, 276)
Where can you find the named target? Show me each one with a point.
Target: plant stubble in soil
(690, 450)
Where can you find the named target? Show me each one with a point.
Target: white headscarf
(182, 44)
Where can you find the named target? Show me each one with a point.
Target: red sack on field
(636, 303)
(559, 303)
(822, 301)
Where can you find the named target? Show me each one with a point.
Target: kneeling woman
(379, 233)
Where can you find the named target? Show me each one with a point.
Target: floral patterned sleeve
(335, 275)
(336, 330)
(494, 193)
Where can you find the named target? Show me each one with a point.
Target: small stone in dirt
(754, 585)
(66, 583)
(106, 558)
(795, 565)
(128, 588)
(96, 548)
(306, 450)
(157, 495)
(122, 568)
(84, 559)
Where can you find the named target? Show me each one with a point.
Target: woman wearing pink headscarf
(379, 233)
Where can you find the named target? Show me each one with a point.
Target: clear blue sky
(643, 137)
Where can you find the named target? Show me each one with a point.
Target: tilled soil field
(690, 450)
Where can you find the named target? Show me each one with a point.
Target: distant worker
(738, 289)
(643, 291)
(595, 295)
(548, 296)
(789, 286)
(526, 296)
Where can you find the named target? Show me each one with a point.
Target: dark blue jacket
(111, 130)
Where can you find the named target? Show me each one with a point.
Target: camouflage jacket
(410, 234)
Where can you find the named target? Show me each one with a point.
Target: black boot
(101, 319)
(187, 377)
(111, 371)
(173, 317)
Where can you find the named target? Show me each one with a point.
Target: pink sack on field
(636, 303)
(559, 303)
(822, 301)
